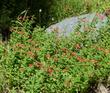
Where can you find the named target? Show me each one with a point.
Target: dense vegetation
(33, 61)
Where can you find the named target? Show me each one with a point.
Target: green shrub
(61, 9)
(44, 63)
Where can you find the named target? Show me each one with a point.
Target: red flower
(30, 65)
(106, 51)
(80, 59)
(77, 46)
(50, 71)
(100, 49)
(20, 45)
(84, 20)
(37, 49)
(64, 49)
(100, 16)
(38, 65)
(47, 56)
(74, 54)
(20, 18)
(31, 54)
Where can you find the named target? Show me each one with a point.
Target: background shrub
(67, 8)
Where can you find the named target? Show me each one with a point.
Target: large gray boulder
(85, 22)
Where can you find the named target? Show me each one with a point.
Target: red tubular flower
(20, 45)
(50, 71)
(37, 49)
(100, 49)
(47, 56)
(77, 46)
(20, 18)
(38, 65)
(30, 65)
(84, 20)
(106, 51)
(30, 54)
(100, 16)
(74, 54)
(80, 59)
(64, 49)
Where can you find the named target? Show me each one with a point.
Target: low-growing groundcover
(42, 63)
